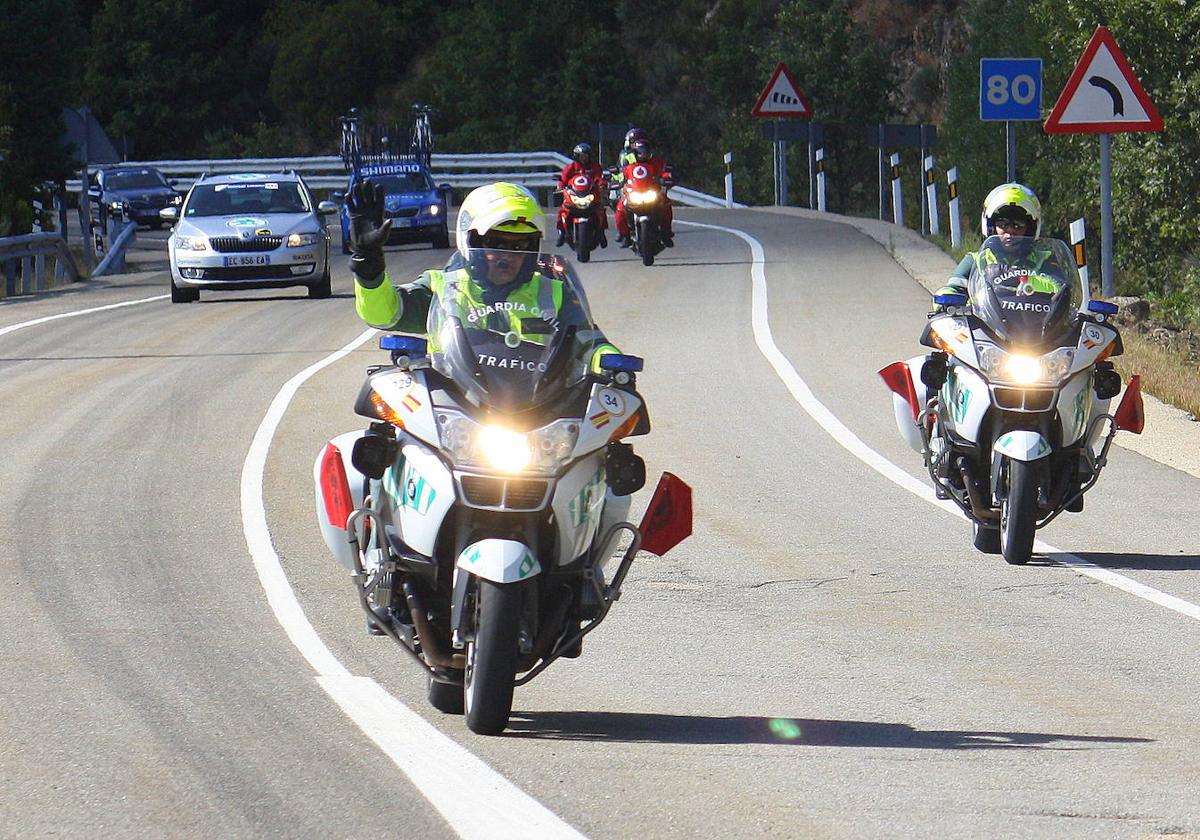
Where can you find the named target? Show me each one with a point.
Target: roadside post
(1010, 91)
(955, 218)
(1113, 100)
(885, 136)
(780, 98)
(728, 179)
(935, 227)
(820, 156)
(897, 193)
(1078, 235)
(608, 133)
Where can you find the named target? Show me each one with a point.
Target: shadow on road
(1147, 562)
(699, 729)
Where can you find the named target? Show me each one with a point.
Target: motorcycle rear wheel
(492, 657)
(1018, 513)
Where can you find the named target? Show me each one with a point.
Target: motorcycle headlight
(191, 243)
(303, 240)
(1056, 365)
(1022, 369)
(472, 444)
(117, 204)
(583, 200)
(643, 197)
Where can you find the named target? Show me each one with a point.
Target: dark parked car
(137, 193)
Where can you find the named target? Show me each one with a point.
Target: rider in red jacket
(583, 165)
(659, 171)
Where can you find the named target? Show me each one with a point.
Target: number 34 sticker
(612, 401)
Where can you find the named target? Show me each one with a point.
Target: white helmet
(1012, 200)
(501, 206)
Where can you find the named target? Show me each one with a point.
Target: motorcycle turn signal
(933, 372)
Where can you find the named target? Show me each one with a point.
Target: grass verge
(1168, 376)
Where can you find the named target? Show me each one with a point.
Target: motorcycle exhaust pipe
(978, 509)
(431, 650)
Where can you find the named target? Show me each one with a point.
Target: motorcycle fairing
(608, 410)
(407, 393)
(419, 489)
(1094, 340)
(577, 505)
(952, 333)
(1077, 405)
(967, 398)
(501, 561)
(1022, 445)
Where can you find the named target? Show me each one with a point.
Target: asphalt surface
(827, 656)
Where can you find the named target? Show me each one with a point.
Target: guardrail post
(820, 156)
(728, 179)
(955, 219)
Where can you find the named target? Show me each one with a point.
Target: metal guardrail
(327, 172)
(25, 263)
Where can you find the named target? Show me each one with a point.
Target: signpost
(781, 98)
(1010, 90)
(1111, 100)
(893, 136)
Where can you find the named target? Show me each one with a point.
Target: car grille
(237, 245)
(251, 272)
(402, 213)
(1024, 399)
(504, 493)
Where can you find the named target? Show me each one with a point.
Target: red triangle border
(1101, 37)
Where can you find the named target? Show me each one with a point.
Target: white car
(248, 231)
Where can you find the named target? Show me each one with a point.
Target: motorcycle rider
(498, 236)
(582, 165)
(1013, 213)
(643, 156)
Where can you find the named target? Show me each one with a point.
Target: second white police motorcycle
(479, 512)
(1011, 408)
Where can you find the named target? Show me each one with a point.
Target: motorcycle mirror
(1131, 415)
(668, 519)
(898, 378)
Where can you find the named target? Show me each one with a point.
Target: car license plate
(402, 223)
(248, 259)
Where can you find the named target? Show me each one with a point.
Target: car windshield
(241, 199)
(133, 180)
(515, 346)
(407, 182)
(1025, 289)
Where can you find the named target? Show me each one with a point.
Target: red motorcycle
(584, 215)
(645, 196)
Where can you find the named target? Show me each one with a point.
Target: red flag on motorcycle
(668, 519)
(1131, 415)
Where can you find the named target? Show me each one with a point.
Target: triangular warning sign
(781, 97)
(1103, 95)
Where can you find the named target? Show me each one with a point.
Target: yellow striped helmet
(503, 207)
(1012, 199)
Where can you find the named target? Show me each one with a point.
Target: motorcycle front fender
(1021, 445)
(501, 561)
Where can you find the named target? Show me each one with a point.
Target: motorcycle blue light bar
(617, 361)
(1102, 307)
(409, 344)
(953, 299)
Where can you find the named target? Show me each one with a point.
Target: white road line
(36, 321)
(853, 444)
(474, 799)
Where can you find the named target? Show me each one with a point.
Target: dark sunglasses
(501, 242)
(1009, 224)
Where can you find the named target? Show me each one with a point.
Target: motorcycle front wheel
(583, 240)
(647, 241)
(492, 657)
(1018, 513)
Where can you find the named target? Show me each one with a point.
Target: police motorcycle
(1010, 409)
(584, 214)
(479, 512)
(644, 196)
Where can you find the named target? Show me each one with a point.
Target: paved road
(826, 657)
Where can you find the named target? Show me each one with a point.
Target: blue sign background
(1010, 89)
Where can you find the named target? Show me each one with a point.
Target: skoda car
(136, 193)
(248, 231)
(416, 207)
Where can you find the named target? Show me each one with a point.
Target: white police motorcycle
(479, 512)
(1011, 408)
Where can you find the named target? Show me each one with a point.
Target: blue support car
(415, 205)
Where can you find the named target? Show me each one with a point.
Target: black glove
(368, 233)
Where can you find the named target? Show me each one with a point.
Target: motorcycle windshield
(512, 346)
(1027, 290)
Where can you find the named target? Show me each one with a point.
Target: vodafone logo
(640, 171)
(581, 182)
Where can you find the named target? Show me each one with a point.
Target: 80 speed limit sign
(1010, 89)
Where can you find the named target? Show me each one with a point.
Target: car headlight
(191, 243)
(434, 209)
(583, 200)
(116, 204)
(1021, 369)
(176, 199)
(302, 240)
(472, 444)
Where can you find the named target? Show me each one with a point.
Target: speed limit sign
(1010, 89)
